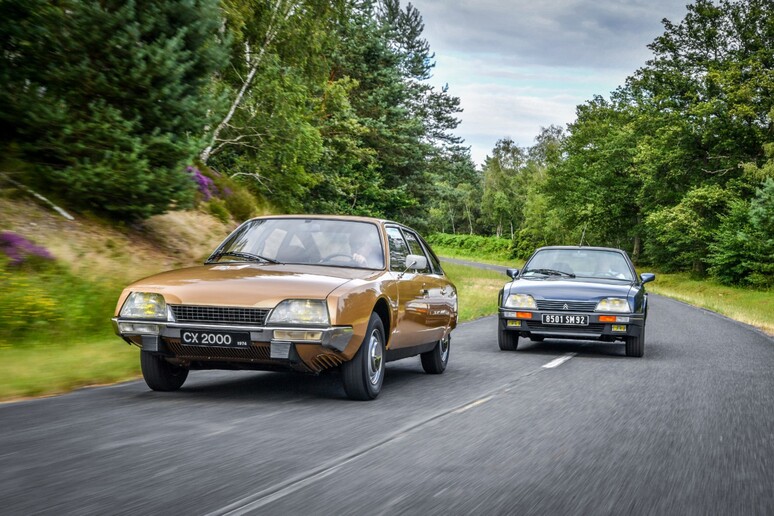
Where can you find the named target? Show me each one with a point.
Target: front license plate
(566, 320)
(215, 338)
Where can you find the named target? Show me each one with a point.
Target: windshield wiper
(551, 272)
(245, 256)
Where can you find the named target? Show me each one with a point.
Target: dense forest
(131, 108)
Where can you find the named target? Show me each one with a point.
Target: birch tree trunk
(279, 15)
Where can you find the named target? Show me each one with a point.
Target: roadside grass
(753, 307)
(476, 290)
(58, 367)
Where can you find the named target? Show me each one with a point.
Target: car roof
(351, 218)
(579, 248)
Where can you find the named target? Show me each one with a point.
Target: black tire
(508, 340)
(159, 374)
(635, 346)
(363, 376)
(435, 360)
(536, 338)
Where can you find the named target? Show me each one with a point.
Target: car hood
(246, 284)
(570, 289)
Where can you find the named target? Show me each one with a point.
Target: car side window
(435, 265)
(398, 249)
(415, 247)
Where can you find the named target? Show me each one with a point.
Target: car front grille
(593, 329)
(219, 314)
(572, 306)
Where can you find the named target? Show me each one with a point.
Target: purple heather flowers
(206, 186)
(18, 249)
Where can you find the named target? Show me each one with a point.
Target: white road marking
(253, 502)
(471, 405)
(558, 361)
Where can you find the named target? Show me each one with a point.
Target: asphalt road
(688, 429)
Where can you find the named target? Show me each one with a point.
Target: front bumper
(530, 322)
(268, 344)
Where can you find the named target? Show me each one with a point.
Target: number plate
(566, 320)
(215, 338)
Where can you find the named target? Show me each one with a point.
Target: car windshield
(340, 243)
(579, 263)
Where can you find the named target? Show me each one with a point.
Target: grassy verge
(45, 369)
(753, 307)
(476, 290)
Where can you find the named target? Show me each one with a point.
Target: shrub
(19, 250)
(217, 208)
(474, 245)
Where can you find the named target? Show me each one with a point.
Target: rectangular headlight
(144, 305)
(613, 304)
(520, 301)
(300, 311)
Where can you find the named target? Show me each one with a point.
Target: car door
(435, 290)
(411, 304)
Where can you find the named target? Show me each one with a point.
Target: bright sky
(521, 65)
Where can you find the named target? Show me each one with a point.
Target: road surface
(555, 428)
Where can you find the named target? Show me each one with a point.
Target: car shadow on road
(252, 386)
(281, 387)
(583, 348)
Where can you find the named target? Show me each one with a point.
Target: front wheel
(635, 346)
(508, 340)
(435, 360)
(363, 376)
(159, 374)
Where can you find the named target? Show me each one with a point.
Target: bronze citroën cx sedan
(302, 293)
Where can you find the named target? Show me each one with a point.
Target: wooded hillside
(128, 109)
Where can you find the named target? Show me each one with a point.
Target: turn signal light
(524, 315)
(607, 318)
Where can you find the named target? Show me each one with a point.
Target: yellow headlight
(144, 305)
(300, 311)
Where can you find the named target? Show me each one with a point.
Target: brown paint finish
(421, 306)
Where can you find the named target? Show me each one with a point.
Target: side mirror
(647, 276)
(415, 262)
(512, 273)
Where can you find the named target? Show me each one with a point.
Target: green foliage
(44, 300)
(667, 167)
(682, 234)
(473, 245)
(217, 208)
(103, 97)
(744, 244)
(231, 197)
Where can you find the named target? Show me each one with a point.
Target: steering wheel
(331, 257)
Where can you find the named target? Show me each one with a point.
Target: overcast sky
(521, 65)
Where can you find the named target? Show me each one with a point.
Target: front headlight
(613, 304)
(520, 301)
(144, 305)
(300, 311)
